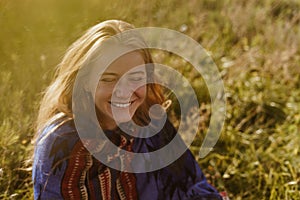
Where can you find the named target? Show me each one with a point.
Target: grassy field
(255, 44)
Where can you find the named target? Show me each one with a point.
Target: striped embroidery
(83, 189)
(75, 174)
(127, 181)
(105, 184)
(76, 181)
(121, 191)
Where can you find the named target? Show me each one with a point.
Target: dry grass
(254, 43)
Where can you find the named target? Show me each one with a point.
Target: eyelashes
(132, 79)
(137, 79)
(108, 80)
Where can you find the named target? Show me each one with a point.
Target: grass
(254, 43)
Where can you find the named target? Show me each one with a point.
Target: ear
(166, 104)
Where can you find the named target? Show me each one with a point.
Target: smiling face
(121, 90)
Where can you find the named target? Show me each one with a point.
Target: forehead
(133, 61)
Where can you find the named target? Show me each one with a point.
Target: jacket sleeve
(196, 185)
(183, 179)
(199, 188)
(191, 176)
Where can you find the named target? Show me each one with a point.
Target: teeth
(121, 105)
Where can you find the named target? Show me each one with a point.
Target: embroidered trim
(105, 184)
(75, 173)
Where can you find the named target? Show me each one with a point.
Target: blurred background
(254, 43)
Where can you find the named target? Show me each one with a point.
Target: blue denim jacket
(59, 140)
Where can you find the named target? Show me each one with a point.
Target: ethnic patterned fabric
(64, 169)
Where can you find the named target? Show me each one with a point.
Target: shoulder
(60, 127)
(56, 140)
(56, 144)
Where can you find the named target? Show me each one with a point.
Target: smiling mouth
(121, 105)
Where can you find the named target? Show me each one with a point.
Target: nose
(123, 89)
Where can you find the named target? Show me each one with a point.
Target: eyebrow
(109, 73)
(115, 74)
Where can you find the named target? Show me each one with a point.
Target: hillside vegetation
(254, 43)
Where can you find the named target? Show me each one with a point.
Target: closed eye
(138, 78)
(108, 79)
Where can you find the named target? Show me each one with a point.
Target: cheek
(103, 90)
(102, 95)
(141, 92)
(98, 95)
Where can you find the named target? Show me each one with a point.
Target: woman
(64, 168)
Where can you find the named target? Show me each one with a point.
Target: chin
(123, 116)
(121, 119)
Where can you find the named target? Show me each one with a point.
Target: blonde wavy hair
(58, 96)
